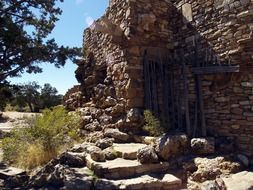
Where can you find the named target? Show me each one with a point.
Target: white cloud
(78, 2)
(89, 20)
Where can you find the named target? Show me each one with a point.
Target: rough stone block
(203, 145)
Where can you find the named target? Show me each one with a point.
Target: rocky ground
(114, 162)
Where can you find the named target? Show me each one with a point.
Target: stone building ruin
(188, 61)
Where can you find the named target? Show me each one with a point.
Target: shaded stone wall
(226, 28)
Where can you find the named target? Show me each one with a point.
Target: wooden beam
(216, 69)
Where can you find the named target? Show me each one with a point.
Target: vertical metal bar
(198, 80)
(186, 98)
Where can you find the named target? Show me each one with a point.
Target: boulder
(72, 159)
(203, 145)
(239, 181)
(211, 185)
(94, 126)
(104, 143)
(84, 147)
(96, 154)
(134, 115)
(90, 148)
(211, 168)
(78, 179)
(147, 155)
(169, 146)
(110, 153)
(116, 134)
(11, 177)
(51, 174)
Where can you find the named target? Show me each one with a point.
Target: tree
(30, 94)
(5, 95)
(25, 26)
(49, 96)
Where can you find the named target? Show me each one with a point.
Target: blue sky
(76, 16)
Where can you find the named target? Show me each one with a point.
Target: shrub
(42, 138)
(152, 124)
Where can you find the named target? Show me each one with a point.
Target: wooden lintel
(216, 69)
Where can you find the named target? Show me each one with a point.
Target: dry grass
(34, 156)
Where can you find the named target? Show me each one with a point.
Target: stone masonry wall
(226, 27)
(111, 73)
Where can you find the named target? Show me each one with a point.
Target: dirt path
(13, 119)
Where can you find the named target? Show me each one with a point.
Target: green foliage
(49, 97)
(152, 124)
(5, 95)
(43, 138)
(28, 97)
(24, 37)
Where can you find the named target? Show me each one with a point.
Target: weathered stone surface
(104, 143)
(128, 150)
(97, 155)
(72, 159)
(211, 185)
(203, 145)
(111, 154)
(51, 174)
(78, 179)
(117, 135)
(13, 177)
(121, 168)
(147, 182)
(147, 155)
(169, 146)
(210, 169)
(242, 181)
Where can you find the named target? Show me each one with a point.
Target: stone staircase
(75, 169)
(125, 172)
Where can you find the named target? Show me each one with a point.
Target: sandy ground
(13, 119)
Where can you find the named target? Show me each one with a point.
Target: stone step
(128, 150)
(122, 168)
(144, 182)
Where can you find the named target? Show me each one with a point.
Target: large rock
(239, 181)
(128, 150)
(90, 148)
(110, 153)
(169, 146)
(203, 145)
(211, 168)
(72, 159)
(78, 179)
(209, 185)
(147, 155)
(96, 153)
(51, 174)
(116, 134)
(104, 143)
(12, 177)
